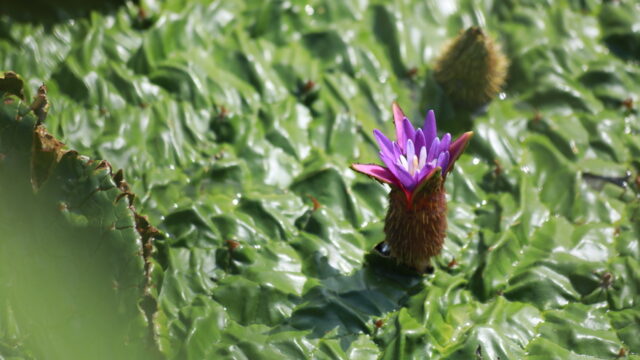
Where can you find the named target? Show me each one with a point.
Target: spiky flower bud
(417, 165)
(472, 68)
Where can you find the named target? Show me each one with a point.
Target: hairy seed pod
(415, 231)
(472, 68)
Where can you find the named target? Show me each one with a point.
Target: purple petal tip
(376, 171)
(456, 148)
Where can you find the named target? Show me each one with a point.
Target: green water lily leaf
(236, 124)
(76, 239)
(576, 328)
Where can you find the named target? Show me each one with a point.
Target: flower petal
(410, 154)
(445, 142)
(419, 141)
(433, 150)
(390, 162)
(431, 180)
(398, 117)
(399, 172)
(422, 159)
(397, 151)
(378, 172)
(443, 160)
(409, 131)
(429, 128)
(405, 178)
(424, 171)
(403, 161)
(456, 149)
(385, 144)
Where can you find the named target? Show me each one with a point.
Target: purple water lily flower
(416, 166)
(416, 155)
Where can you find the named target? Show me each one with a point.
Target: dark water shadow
(625, 46)
(348, 305)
